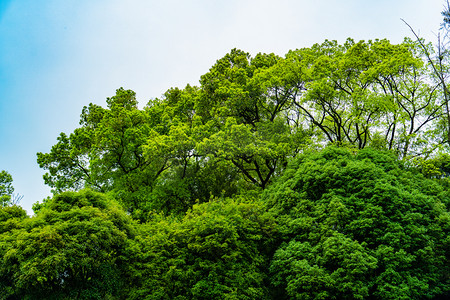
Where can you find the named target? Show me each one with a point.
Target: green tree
(106, 152)
(247, 119)
(75, 247)
(7, 196)
(357, 224)
(144, 158)
(361, 92)
(244, 107)
(188, 175)
(68, 162)
(6, 188)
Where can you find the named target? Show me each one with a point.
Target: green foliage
(358, 225)
(73, 248)
(215, 252)
(11, 218)
(144, 158)
(305, 269)
(6, 188)
(245, 105)
(357, 91)
(434, 167)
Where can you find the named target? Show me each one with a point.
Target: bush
(359, 225)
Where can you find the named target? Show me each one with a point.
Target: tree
(11, 218)
(367, 92)
(67, 163)
(438, 59)
(75, 247)
(357, 224)
(244, 106)
(6, 188)
(106, 152)
(144, 158)
(250, 116)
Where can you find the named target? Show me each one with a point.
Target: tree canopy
(358, 225)
(247, 119)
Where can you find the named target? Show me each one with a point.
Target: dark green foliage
(217, 251)
(358, 225)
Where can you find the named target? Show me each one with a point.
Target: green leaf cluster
(6, 188)
(216, 251)
(359, 225)
(73, 248)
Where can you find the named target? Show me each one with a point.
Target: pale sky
(57, 56)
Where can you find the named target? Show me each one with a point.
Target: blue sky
(57, 56)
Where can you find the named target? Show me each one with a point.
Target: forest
(323, 174)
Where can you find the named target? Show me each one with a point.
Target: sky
(58, 56)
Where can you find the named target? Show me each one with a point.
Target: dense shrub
(358, 225)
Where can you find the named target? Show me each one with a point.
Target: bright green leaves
(68, 162)
(7, 196)
(124, 99)
(225, 90)
(6, 188)
(106, 153)
(256, 152)
(359, 91)
(74, 247)
(249, 120)
(10, 217)
(232, 89)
